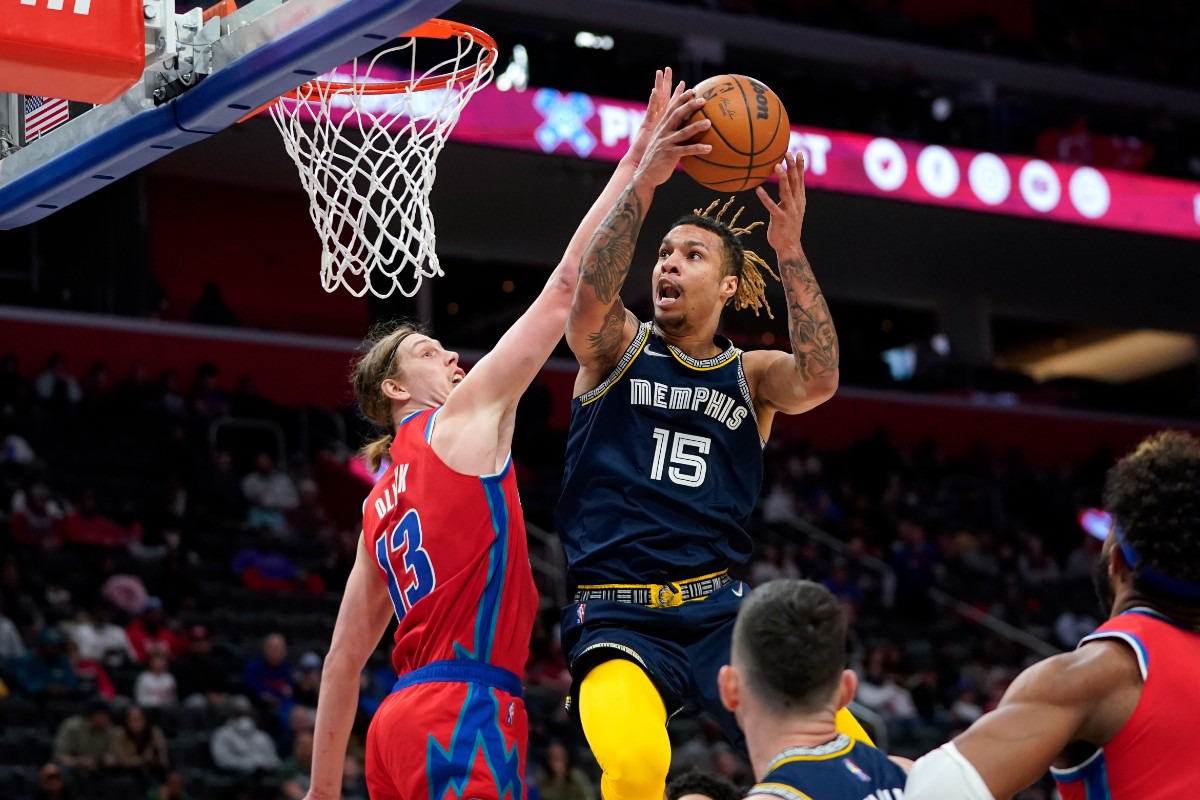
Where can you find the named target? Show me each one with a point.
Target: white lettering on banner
(885, 164)
(618, 123)
(1089, 192)
(82, 7)
(1040, 186)
(815, 148)
(989, 178)
(938, 171)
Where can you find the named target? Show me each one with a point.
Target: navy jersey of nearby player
(842, 769)
(664, 465)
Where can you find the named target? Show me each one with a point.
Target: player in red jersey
(443, 550)
(1113, 718)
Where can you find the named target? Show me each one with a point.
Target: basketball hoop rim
(431, 29)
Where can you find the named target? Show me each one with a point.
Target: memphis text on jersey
(700, 399)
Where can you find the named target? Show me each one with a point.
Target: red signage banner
(582, 126)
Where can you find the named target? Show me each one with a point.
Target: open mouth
(458, 376)
(667, 294)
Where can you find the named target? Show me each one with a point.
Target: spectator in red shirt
(87, 526)
(149, 633)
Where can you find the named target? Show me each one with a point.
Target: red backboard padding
(86, 50)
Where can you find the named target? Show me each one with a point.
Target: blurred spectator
(310, 520)
(155, 687)
(295, 773)
(13, 391)
(93, 678)
(87, 742)
(265, 568)
(220, 488)
(149, 633)
(171, 788)
(208, 398)
(200, 676)
(694, 784)
(966, 709)
(18, 602)
(268, 677)
(354, 782)
(879, 691)
(211, 309)
(558, 779)
(35, 515)
(770, 564)
(239, 746)
(100, 639)
(55, 387)
(46, 672)
(141, 746)
(12, 647)
(308, 680)
(85, 525)
(51, 784)
(270, 492)
(135, 396)
(171, 395)
(1035, 565)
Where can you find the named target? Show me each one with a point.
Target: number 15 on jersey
(685, 452)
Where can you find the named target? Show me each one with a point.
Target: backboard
(202, 75)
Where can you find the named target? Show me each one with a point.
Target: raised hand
(787, 216)
(670, 139)
(659, 96)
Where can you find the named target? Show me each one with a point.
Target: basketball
(749, 133)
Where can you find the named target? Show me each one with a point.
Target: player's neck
(769, 735)
(699, 343)
(1184, 615)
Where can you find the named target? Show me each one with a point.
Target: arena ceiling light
(593, 41)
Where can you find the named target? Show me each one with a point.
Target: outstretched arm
(599, 327)
(362, 620)
(469, 434)
(1083, 696)
(809, 376)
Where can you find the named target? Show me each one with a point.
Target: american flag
(43, 114)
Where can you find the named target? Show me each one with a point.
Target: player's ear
(728, 687)
(847, 687)
(729, 287)
(392, 390)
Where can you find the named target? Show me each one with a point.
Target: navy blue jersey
(664, 465)
(842, 769)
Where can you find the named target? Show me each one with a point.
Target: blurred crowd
(167, 589)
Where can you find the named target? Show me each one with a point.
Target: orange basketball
(749, 133)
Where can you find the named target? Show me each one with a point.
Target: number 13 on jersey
(405, 563)
(686, 451)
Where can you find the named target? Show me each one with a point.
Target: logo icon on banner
(566, 118)
(1089, 192)
(1040, 186)
(885, 164)
(938, 171)
(989, 178)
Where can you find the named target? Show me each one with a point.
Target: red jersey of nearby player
(1153, 756)
(452, 550)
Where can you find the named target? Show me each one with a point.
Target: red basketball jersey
(1153, 756)
(452, 550)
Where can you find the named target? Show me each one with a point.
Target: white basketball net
(368, 163)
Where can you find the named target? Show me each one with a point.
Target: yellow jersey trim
(644, 585)
(813, 756)
(631, 354)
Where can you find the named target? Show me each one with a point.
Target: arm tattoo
(608, 338)
(814, 341)
(605, 264)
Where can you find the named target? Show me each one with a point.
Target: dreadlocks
(747, 265)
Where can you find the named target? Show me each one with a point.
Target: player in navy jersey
(1116, 717)
(664, 455)
(443, 551)
(785, 685)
